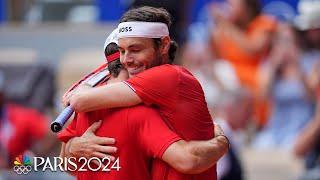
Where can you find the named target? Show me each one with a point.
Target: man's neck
(113, 79)
(121, 77)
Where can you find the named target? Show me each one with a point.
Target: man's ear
(165, 45)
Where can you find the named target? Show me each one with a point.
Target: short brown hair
(152, 14)
(115, 66)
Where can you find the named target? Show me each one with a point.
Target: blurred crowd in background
(257, 61)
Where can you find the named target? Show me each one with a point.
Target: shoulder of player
(184, 74)
(164, 70)
(178, 73)
(172, 71)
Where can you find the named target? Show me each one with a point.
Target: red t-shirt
(179, 97)
(19, 128)
(139, 139)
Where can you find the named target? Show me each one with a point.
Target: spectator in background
(21, 129)
(308, 24)
(307, 144)
(233, 113)
(284, 82)
(217, 77)
(242, 35)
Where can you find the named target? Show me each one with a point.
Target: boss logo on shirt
(125, 29)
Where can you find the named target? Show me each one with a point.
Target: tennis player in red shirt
(144, 43)
(140, 138)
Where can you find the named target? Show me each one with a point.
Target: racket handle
(60, 121)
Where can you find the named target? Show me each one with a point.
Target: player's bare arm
(197, 156)
(110, 96)
(191, 157)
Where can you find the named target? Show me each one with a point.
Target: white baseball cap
(112, 38)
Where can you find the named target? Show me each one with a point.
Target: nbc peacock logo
(22, 164)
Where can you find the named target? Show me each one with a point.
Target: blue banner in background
(111, 10)
(3, 8)
(292, 3)
(282, 9)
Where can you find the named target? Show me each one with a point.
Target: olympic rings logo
(22, 169)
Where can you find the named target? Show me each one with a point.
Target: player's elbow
(189, 164)
(181, 158)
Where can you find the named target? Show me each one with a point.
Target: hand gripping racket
(92, 79)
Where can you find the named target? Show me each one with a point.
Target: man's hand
(220, 137)
(70, 96)
(217, 130)
(89, 145)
